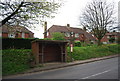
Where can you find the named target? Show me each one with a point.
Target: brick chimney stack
(45, 30)
(68, 25)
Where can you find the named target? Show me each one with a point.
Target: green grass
(15, 61)
(83, 53)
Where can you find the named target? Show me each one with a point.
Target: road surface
(103, 69)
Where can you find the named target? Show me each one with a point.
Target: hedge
(15, 61)
(16, 43)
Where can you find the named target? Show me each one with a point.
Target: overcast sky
(69, 14)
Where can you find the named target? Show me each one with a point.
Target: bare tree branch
(97, 17)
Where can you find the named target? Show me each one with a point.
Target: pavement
(57, 65)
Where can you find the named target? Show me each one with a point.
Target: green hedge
(16, 43)
(15, 61)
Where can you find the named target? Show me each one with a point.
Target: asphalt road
(104, 69)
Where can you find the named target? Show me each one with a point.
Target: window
(76, 35)
(72, 33)
(11, 35)
(67, 34)
(23, 35)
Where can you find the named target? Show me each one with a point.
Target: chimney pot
(68, 25)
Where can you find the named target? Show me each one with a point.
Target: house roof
(89, 36)
(17, 28)
(113, 33)
(57, 28)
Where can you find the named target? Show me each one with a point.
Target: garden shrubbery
(77, 44)
(15, 61)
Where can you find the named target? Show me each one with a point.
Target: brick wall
(27, 35)
(18, 35)
(4, 34)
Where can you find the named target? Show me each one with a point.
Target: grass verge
(83, 53)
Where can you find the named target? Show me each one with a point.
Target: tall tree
(14, 12)
(98, 17)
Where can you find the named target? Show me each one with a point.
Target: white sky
(68, 14)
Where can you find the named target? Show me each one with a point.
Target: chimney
(68, 25)
(45, 30)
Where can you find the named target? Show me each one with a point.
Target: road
(103, 69)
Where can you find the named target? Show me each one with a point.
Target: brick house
(110, 35)
(16, 32)
(77, 33)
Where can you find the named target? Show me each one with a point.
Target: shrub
(118, 40)
(15, 60)
(58, 36)
(112, 39)
(77, 44)
(17, 43)
(47, 39)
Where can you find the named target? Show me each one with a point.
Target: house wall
(9, 32)
(4, 34)
(27, 35)
(105, 39)
(81, 37)
(19, 35)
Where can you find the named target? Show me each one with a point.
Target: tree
(98, 18)
(58, 36)
(14, 12)
(112, 39)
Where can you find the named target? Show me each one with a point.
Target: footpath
(57, 65)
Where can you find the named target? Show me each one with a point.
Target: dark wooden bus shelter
(49, 51)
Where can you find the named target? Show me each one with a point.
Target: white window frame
(11, 35)
(108, 36)
(67, 34)
(76, 35)
(23, 35)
